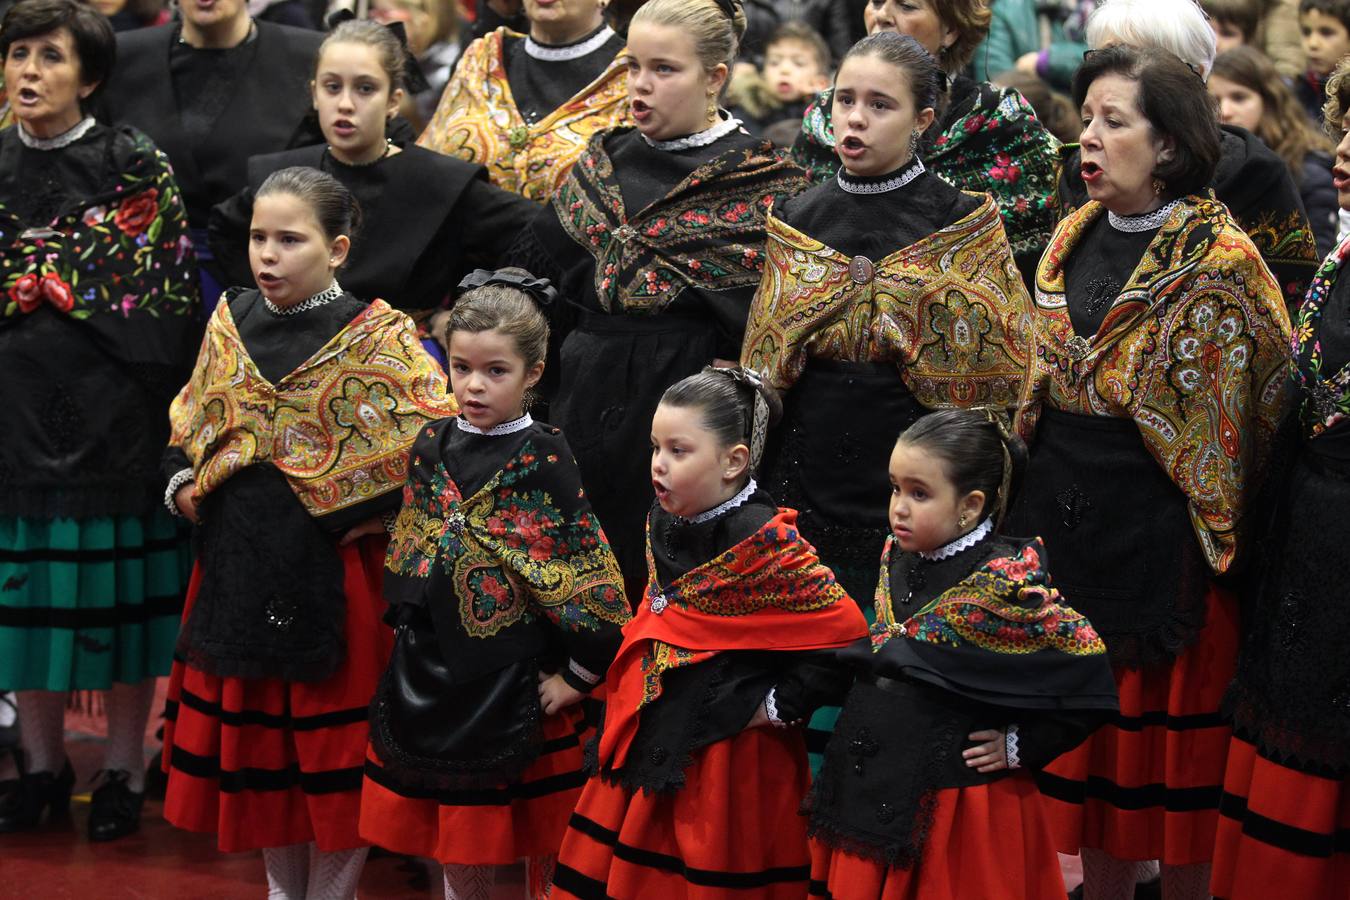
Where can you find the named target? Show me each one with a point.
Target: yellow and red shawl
(338, 427)
(768, 592)
(950, 311)
(1195, 351)
(477, 121)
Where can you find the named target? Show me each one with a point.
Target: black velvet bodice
(541, 86)
(1098, 270)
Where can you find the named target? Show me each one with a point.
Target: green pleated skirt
(88, 602)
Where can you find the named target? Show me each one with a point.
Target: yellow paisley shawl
(338, 427)
(1195, 350)
(477, 121)
(949, 310)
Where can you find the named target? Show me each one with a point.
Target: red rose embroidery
(136, 213)
(57, 292)
(26, 293)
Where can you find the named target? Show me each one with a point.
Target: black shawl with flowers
(98, 283)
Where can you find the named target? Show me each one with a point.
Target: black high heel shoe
(21, 808)
(115, 810)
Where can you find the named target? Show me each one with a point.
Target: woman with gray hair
(1250, 179)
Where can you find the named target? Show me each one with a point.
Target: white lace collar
(855, 185)
(327, 295)
(536, 50)
(965, 542)
(64, 139)
(1144, 222)
(742, 495)
(501, 428)
(725, 126)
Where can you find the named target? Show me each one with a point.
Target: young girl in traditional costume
(289, 444)
(437, 217)
(975, 671)
(508, 604)
(886, 289)
(697, 778)
(656, 241)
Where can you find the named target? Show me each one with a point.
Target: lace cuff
(582, 672)
(1010, 747)
(771, 708)
(180, 478)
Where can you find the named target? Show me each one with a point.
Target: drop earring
(1158, 187)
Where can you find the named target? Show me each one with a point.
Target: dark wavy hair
(1176, 103)
(95, 43)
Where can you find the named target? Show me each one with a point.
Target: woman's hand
(1027, 62)
(187, 506)
(555, 694)
(373, 525)
(990, 756)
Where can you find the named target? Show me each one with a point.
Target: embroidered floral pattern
(704, 233)
(515, 550)
(1005, 606)
(125, 254)
(1326, 395)
(1195, 350)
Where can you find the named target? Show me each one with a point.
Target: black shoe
(21, 808)
(115, 810)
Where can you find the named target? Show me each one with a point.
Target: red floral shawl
(769, 592)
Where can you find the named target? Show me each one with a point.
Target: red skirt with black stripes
(985, 841)
(1147, 784)
(264, 762)
(483, 826)
(733, 830)
(1282, 833)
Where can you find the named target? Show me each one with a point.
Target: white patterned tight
(1107, 878)
(304, 872)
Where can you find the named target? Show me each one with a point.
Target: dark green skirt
(88, 602)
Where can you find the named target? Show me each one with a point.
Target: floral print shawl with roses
(117, 260)
(98, 291)
(524, 547)
(707, 232)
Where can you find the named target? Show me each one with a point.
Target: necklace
(546, 53)
(500, 428)
(854, 186)
(64, 139)
(699, 139)
(388, 148)
(1144, 222)
(332, 292)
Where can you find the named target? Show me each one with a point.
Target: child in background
(1234, 21)
(976, 671)
(508, 604)
(1325, 25)
(796, 68)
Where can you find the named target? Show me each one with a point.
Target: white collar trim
(742, 495)
(546, 53)
(852, 186)
(501, 428)
(64, 139)
(1144, 222)
(965, 542)
(726, 126)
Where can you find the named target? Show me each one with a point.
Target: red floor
(57, 862)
